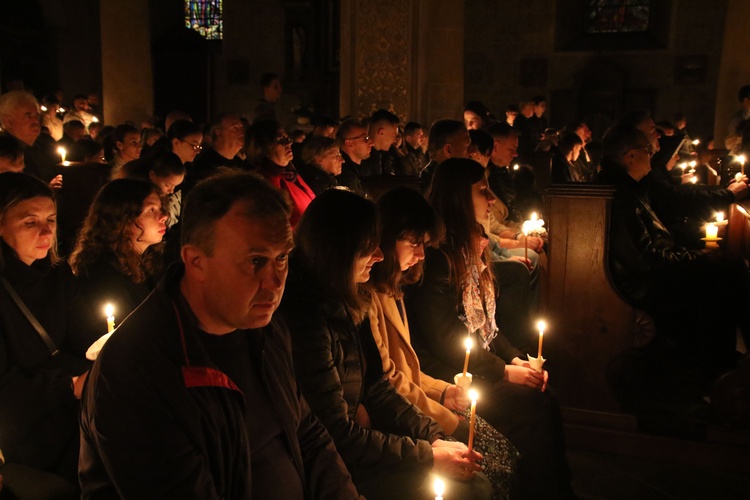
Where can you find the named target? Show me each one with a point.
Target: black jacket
(433, 307)
(501, 182)
(159, 420)
(350, 176)
(641, 249)
(38, 412)
(330, 354)
(316, 178)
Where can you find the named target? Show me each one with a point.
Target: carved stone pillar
(127, 79)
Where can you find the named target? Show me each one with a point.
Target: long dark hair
(451, 197)
(16, 187)
(107, 230)
(403, 214)
(337, 228)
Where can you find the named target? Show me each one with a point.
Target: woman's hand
(456, 398)
(56, 182)
(454, 460)
(526, 375)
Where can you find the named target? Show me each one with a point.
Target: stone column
(735, 66)
(127, 79)
(406, 56)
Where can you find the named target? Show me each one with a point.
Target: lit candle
(468, 344)
(683, 166)
(61, 151)
(109, 310)
(94, 119)
(540, 325)
(719, 216)
(711, 231)
(742, 159)
(694, 180)
(472, 422)
(696, 142)
(534, 217)
(516, 167)
(439, 487)
(61, 110)
(43, 108)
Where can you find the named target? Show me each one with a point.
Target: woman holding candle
(117, 256)
(408, 225)
(457, 297)
(389, 446)
(38, 391)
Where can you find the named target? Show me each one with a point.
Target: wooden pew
(376, 185)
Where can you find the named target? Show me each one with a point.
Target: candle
(541, 326)
(696, 142)
(473, 420)
(439, 487)
(526, 241)
(109, 311)
(683, 166)
(516, 167)
(534, 217)
(719, 216)
(94, 119)
(694, 180)
(711, 231)
(61, 151)
(742, 159)
(43, 108)
(468, 344)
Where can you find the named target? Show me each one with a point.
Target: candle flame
(95, 119)
(468, 343)
(696, 142)
(516, 167)
(439, 487)
(683, 165)
(741, 159)
(109, 310)
(693, 163)
(61, 151)
(719, 216)
(61, 110)
(43, 108)
(534, 216)
(541, 326)
(694, 179)
(473, 395)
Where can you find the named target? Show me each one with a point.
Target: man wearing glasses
(356, 145)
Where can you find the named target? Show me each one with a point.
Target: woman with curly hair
(116, 257)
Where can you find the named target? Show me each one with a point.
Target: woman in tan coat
(408, 223)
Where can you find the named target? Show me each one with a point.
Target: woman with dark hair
(269, 150)
(167, 172)
(565, 168)
(408, 225)
(42, 368)
(476, 116)
(87, 151)
(123, 146)
(321, 163)
(387, 444)
(110, 257)
(185, 139)
(456, 299)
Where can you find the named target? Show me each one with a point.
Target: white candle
(711, 231)
(541, 326)
(109, 311)
(61, 151)
(439, 487)
(468, 343)
(473, 420)
(742, 160)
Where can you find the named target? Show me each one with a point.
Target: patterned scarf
(479, 311)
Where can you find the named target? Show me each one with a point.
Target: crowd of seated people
(226, 378)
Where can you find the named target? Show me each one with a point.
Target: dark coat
(38, 412)
(350, 176)
(159, 420)
(316, 178)
(339, 369)
(433, 307)
(501, 182)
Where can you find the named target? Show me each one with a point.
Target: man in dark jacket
(194, 395)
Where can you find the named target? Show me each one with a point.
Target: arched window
(205, 17)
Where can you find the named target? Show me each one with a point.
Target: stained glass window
(205, 17)
(618, 16)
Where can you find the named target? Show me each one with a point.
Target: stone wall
(511, 54)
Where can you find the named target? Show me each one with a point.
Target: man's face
(383, 135)
(584, 132)
(23, 123)
(417, 139)
(358, 144)
(504, 150)
(459, 144)
(273, 91)
(81, 104)
(232, 132)
(648, 127)
(540, 108)
(243, 281)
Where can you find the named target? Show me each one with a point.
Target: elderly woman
(322, 162)
(388, 445)
(269, 150)
(42, 368)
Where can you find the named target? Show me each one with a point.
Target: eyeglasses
(196, 147)
(363, 136)
(284, 141)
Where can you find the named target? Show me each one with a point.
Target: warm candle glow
(712, 231)
(43, 108)
(468, 343)
(109, 310)
(693, 164)
(473, 395)
(683, 165)
(719, 216)
(61, 110)
(741, 159)
(516, 167)
(95, 119)
(696, 142)
(473, 420)
(439, 487)
(694, 179)
(737, 177)
(534, 216)
(61, 151)
(541, 326)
